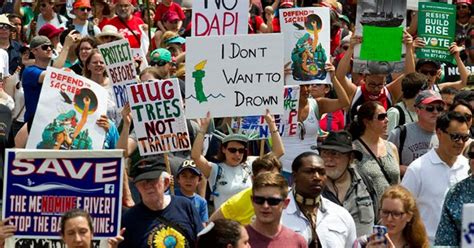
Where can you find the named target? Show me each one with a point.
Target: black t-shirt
(178, 223)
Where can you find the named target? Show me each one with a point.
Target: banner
(234, 75)
(467, 235)
(39, 186)
(413, 4)
(307, 33)
(120, 67)
(373, 16)
(437, 27)
(223, 17)
(68, 108)
(158, 117)
(287, 124)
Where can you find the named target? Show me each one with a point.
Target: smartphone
(380, 232)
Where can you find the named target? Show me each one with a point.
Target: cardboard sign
(39, 186)
(223, 17)
(120, 67)
(467, 235)
(234, 75)
(68, 108)
(437, 27)
(158, 116)
(379, 14)
(287, 124)
(307, 33)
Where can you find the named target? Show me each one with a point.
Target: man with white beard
(344, 186)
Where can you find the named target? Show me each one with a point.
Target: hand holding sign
(114, 242)
(6, 229)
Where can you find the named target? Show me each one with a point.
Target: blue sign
(39, 186)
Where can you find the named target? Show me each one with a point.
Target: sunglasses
(44, 5)
(302, 131)
(345, 48)
(45, 47)
(429, 72)
(470, 155)
(234, 150)
(158, 63)
(84, 9)
(431, 108)
(381, 116)
(5, 26)
(468, 117)
(272, 201)
(458, 7)
(456, 137)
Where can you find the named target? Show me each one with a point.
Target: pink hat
(468, 2)
(287, 3)
(170, 16)
(50, 30)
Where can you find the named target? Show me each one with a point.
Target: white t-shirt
(83, 29)
(4, 63)
(429, 178)
(232, 180)
(55, 21)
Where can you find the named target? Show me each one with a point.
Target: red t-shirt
(285, 238)
(134, 24)
(332, 121)
(276, 25)
(161, 9)
(104, 22)
(255, 26)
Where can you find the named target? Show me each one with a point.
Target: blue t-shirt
(32, 89)
(177, 224)
(199, 203)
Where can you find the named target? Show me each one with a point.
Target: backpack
(90, 27)
(401, 114)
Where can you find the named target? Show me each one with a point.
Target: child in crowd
(188, 178)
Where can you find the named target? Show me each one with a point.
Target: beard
(335, 173)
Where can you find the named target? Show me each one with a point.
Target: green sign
(437, 27)
(381, 43)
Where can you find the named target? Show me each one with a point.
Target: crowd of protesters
(392, 149)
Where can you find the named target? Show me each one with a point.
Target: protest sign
(287, 124)
(372, 49)
(413, 4)
(234, 75)
(118, 59)
(158, 116)
(223, 17)
(39, 186)
(68, 108)
(379, 14)
(467, 235)
(307, 33)
(437, 27)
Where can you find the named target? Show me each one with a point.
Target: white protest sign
(222, 17)
(120, 67)
(234, 75)
(158, 117)
(68, 108)
(307, 33)
(467, 235)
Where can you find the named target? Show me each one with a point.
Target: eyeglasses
(5, 26)
(395, 214)
(429, 72)
(458, 7)
(456, 137)
(234, 150)
(272, 201)
(84, 9)
(381, 116)
(432, 108)
(158, 63)
(45, 47)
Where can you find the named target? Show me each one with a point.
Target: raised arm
(463, 72)
(345, 65)
(196, 152)
(125, 142)
(327, 105)
(277, 145)
(69, 41)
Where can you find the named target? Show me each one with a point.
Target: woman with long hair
(83, 51)
(233, 169)
(380, 157)
(399, 213)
